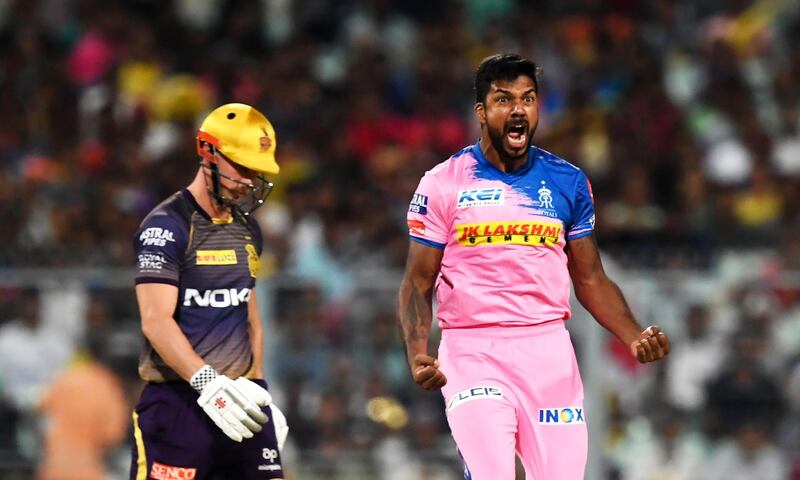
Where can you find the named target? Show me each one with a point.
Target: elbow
(148, 327)
(587, 284)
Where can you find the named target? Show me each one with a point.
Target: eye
(502, 99)
(530, 99)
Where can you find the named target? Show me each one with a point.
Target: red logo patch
(220, 403)
(416, 227)
(168, 472)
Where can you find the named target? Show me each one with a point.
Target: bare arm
(605, 301)
(415, 312)
(157, 303)
(256, 331)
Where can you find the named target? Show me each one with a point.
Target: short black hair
(502, 66)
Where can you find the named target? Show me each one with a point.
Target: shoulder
(567, 176)
(168, 222)
(175, 210)
(557, 165)
(451, 168)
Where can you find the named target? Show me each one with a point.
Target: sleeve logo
(419, 204)
(415, 227)
(151, 261)
(156, 236)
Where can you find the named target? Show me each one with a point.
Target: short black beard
(497, 142)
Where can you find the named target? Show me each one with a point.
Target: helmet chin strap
(215, 187)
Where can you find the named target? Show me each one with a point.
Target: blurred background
(684, 115)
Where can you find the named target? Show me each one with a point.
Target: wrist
(202, 377)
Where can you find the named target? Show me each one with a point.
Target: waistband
(495, 331)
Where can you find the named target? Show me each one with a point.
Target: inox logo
(561, 416)
(480, 197)
(220, 298)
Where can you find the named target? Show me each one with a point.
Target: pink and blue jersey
(503, 235)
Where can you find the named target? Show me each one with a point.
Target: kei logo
(480, 197)
(220, 403)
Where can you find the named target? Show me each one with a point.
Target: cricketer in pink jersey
(499, 230)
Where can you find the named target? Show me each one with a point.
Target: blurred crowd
(684, 114)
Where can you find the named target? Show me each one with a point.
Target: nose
(517, 109)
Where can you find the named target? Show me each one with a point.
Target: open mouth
(517, 135)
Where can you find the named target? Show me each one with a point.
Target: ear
(204, 151)
(480, 113)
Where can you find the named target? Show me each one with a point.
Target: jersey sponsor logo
(416, 227)
(159, 471)
(156, 236)
(252, 260)
(481, 197)
(475, 393)
(419, 204)
(151, 261)
(216, 257)
(269, 468)
(561, 416)
(508, 233)
(269, 454)
(220, 298)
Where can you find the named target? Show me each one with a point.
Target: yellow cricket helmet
(243, 135)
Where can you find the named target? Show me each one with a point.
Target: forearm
(606, 303)
(172, 346)
(257, 345)
(415, 315)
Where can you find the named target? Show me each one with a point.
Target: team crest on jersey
(545, 201)
(480, 197)
(252, 260)
(419, 204)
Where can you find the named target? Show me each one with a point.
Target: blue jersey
(214, 265)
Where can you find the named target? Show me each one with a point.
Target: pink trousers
(515, 390)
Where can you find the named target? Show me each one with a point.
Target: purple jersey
(214, 265)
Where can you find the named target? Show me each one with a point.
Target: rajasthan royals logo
(545, 197)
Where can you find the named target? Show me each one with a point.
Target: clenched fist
(652, 345)
(426, 373)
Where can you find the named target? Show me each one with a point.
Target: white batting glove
(280, 424)
(233, 405)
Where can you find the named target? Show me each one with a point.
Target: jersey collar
(490, 167)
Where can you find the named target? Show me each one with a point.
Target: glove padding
(235, 406)
(280, 424)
